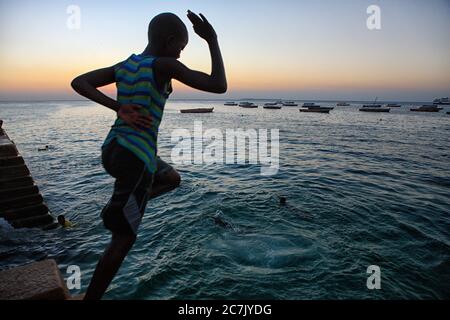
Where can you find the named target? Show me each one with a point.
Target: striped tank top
(136, 84)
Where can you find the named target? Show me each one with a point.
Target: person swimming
(64, 222)
(293, 209)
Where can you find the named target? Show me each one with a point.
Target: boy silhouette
(129, 152)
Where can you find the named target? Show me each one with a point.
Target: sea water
(362, 189)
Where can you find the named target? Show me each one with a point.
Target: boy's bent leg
(109, 264)
(166, 179)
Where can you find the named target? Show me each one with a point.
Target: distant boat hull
(372, 106)
(290, 105)
(425, 110)
(230, 104)
(198, 110)
(248, 106)
(343, 104)
(376, 109)
(422, 110)
(270, 107)
(393, 105)
(322, 108)
(316, 110)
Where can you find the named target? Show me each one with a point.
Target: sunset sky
(312, 49)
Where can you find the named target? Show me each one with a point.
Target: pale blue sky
(307, 49)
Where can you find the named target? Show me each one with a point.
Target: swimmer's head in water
(168, 35)
(61, 220)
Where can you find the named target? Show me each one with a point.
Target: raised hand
(130, 113)
(202, 27)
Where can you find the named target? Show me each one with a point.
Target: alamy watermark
(73, 281)
(374, 280)
(231, 146)
(374, 20)
(74, 19)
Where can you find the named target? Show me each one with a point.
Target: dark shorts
(124, 211)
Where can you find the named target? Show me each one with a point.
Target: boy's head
(168, 35)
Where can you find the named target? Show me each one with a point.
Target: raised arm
(215, 82)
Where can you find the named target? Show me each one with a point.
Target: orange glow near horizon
(57, 78)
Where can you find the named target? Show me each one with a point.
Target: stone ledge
(36, 281)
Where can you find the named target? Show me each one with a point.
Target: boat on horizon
(374, 107)
(290, 104)
(316, 110)
(442, 101)
(249, 105)
(427, 108)
(343, 104)
(272, 107)
(393, 105)
(312, 107)
(230, 103)
(198, 110)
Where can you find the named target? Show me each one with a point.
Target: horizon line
(221, 99)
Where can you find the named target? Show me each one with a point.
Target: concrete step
(18, 192)
(14, 171)
(7, 147)
(26, 212)
(33, 222)
(12, 182)
(20, 202)
(11, 161)
(36, 281)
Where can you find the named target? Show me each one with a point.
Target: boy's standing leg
(108, 265)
